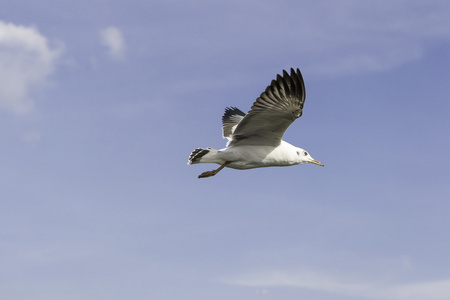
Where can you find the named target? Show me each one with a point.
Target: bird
(255, 139)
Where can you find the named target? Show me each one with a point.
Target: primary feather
(272, 112)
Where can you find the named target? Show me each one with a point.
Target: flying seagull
(255, 138)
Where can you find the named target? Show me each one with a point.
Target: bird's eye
(306, 153)
(298, 153)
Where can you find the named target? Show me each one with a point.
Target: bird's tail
(201, 155)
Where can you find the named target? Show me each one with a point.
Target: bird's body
(251, 156)
(255, 139)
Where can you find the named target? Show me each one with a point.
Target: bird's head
(303, 157)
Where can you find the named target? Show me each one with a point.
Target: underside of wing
(272, 112)
(230, 120)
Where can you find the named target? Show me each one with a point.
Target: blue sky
(101, 103)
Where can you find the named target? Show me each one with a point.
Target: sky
(101, 103)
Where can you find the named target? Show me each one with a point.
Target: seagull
(255, 138)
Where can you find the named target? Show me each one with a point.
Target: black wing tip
(295, 73)
(231, 111)
(291, 84)
(295, 77)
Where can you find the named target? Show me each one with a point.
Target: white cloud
(345, 284)
(112, 38)
(432, 290)
(307, 280)
(26, 62)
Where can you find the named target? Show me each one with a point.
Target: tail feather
(195, 156)
(199, 155)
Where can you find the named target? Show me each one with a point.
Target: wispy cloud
(433, 290)
(345, 284)
(327, 37)
(26, 62)
(112, 38)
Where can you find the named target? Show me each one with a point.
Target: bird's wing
(230, 120)
(272, 113)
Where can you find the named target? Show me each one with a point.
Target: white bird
(255, 138)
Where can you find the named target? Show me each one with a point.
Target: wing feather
(272, 112)
(230, 120)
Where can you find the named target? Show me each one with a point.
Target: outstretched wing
(272, 113)
(230, 120)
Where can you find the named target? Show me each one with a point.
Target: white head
(303, 157)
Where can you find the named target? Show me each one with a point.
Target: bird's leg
(213, 172)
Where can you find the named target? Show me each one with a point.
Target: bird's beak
(316, 162)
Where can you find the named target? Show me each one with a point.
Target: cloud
(26, 62)
(308, 280)
(372, 37)
(432, 290)
(112, 38)
(325, 37)
(354, 36)
(345, 285)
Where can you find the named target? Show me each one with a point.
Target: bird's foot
(213, 172)
(207, 174)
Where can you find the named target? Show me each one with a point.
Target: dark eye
(298, 153)
(306, 153)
